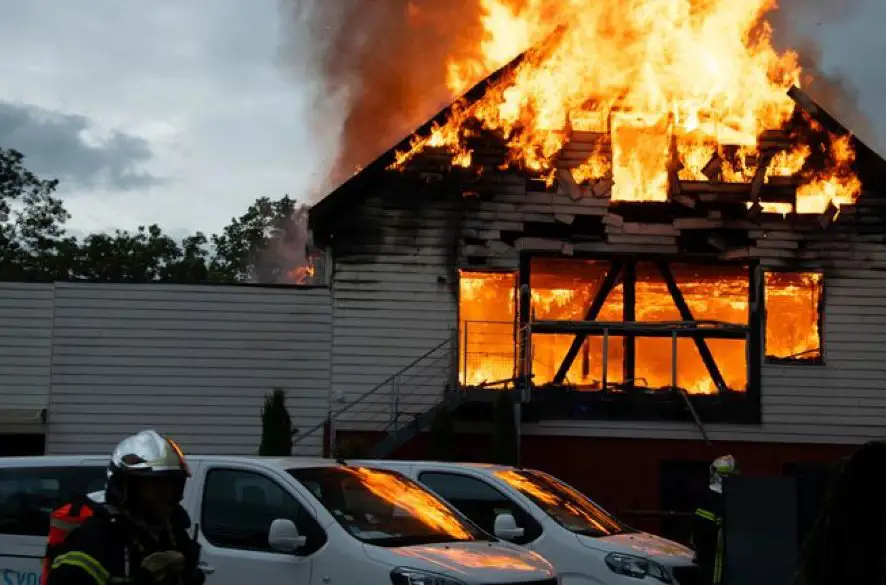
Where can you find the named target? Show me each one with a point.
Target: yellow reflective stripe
(62, 524)
(707, 515)
(718, 561)
(84, 561)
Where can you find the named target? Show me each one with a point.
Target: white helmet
(145, 454)
(724, 466)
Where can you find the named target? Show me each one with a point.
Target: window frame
(531, 533)
(304, 514)
(462, 336)
(67, 478)
(822, 304)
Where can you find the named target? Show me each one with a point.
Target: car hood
(643, 544)
(475, 562)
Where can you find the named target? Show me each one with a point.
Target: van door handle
(207, 569)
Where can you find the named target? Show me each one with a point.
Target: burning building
(645, 226)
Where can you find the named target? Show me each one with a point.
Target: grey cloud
(54, 146)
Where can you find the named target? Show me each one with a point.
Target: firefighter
(139, 534)
(707, 528)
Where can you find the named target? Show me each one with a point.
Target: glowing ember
(420, 503)
(700, 76)
(562, 289)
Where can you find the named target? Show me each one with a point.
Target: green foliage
(442, 437)
(262, 245)
(504, 432)
(276, 433)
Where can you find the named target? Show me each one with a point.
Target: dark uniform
(112, 547)
(139, 534)
(707, 537)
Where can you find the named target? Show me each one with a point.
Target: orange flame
(418, 502)
(563, 290)
(646, 75)
(572, 505)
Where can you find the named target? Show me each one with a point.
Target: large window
(794, 317)
(28, 495)
(487, 327)
(665, 298)
(239, 507)
(480, 502)
(385, 508)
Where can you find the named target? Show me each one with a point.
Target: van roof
(490, 467)
(62, 460)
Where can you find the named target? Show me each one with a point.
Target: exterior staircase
(398, 408)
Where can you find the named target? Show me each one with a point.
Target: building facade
(645, 338)
(86, 364)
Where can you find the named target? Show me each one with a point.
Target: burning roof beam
(593, 311)
(686, 314)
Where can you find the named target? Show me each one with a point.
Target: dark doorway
(19, 445)
(812, 485)
(683, 486)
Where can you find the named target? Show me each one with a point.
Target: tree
(31, 221)
(504, 432)
(265, 244)
(276, 437)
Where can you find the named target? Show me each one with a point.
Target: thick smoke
(382, 64)
(379, 66)
(797, 25)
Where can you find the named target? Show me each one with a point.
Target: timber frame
(626, 400)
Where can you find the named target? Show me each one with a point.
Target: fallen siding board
(192, 361)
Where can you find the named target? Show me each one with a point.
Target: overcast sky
(178, 111)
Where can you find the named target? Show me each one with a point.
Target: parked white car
(287, 520)
(585, 543)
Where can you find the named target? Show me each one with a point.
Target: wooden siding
(192, 361)
(390, 305)
(25, 352)
(394, 290)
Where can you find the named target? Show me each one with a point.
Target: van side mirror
(283, 536)
(506, 527)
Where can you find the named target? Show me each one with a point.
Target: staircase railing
(400, 404)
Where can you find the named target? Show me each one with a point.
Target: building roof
(870, 167)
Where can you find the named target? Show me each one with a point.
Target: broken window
(712, 294)
(565, 290)
(712, 300)
(487, 327)
(793, 317)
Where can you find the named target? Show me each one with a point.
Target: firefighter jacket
(112, 548)
(707, 537)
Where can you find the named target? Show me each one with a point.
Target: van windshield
(569, 507)
(385, 508)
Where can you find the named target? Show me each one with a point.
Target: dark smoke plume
(382, 65)
(796, 25)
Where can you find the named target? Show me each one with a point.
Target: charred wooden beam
(759, 178)
(828, 216)
(594, 308)
(629, 315)
(686, 314)
(712, 170)
(597, 328)
(566, 185)
(818, 113)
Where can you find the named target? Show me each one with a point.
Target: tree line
(262, 245)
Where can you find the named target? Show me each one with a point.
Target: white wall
(192, 361)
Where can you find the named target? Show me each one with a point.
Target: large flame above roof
(658, 79)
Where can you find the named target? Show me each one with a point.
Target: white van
(289, 520)
(585, 543)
